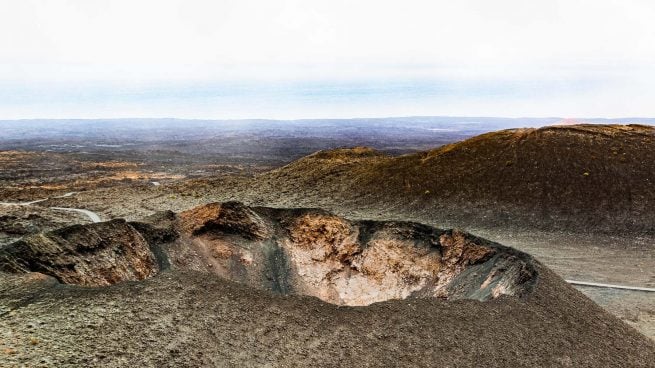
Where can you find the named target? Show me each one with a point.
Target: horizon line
(336, 119)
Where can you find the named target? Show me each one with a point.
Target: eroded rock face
(90, 255)
(229, 217)
(312, 252)
(287, 251)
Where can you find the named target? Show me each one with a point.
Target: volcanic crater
(285, 251)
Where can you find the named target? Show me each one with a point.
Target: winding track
(90, 214)
(610, 286)
(94, 217)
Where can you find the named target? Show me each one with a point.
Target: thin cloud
(508, 57)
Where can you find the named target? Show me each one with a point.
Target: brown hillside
(599, 177)
(247, 286)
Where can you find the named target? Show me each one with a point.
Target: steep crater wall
(286, 251)
(313, 252)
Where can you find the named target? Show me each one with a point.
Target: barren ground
(585, 257)
(133, 184)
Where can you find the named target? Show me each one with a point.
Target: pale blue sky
(319, 59)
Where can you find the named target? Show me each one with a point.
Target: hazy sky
(312, 59)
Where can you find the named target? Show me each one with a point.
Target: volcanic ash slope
(574, 177)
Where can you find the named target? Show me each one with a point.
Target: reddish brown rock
(96, 254)
(228, 217)
(344, 262)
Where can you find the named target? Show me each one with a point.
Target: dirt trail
(91, 215)
(94, 217)
(610, 286)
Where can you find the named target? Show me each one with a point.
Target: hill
(571, 177)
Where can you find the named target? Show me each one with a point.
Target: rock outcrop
(229, 217)
(90, 255)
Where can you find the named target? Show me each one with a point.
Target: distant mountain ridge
(193, 128)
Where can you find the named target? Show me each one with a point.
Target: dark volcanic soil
(188, 316)
(190, 319)
(579, 177)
